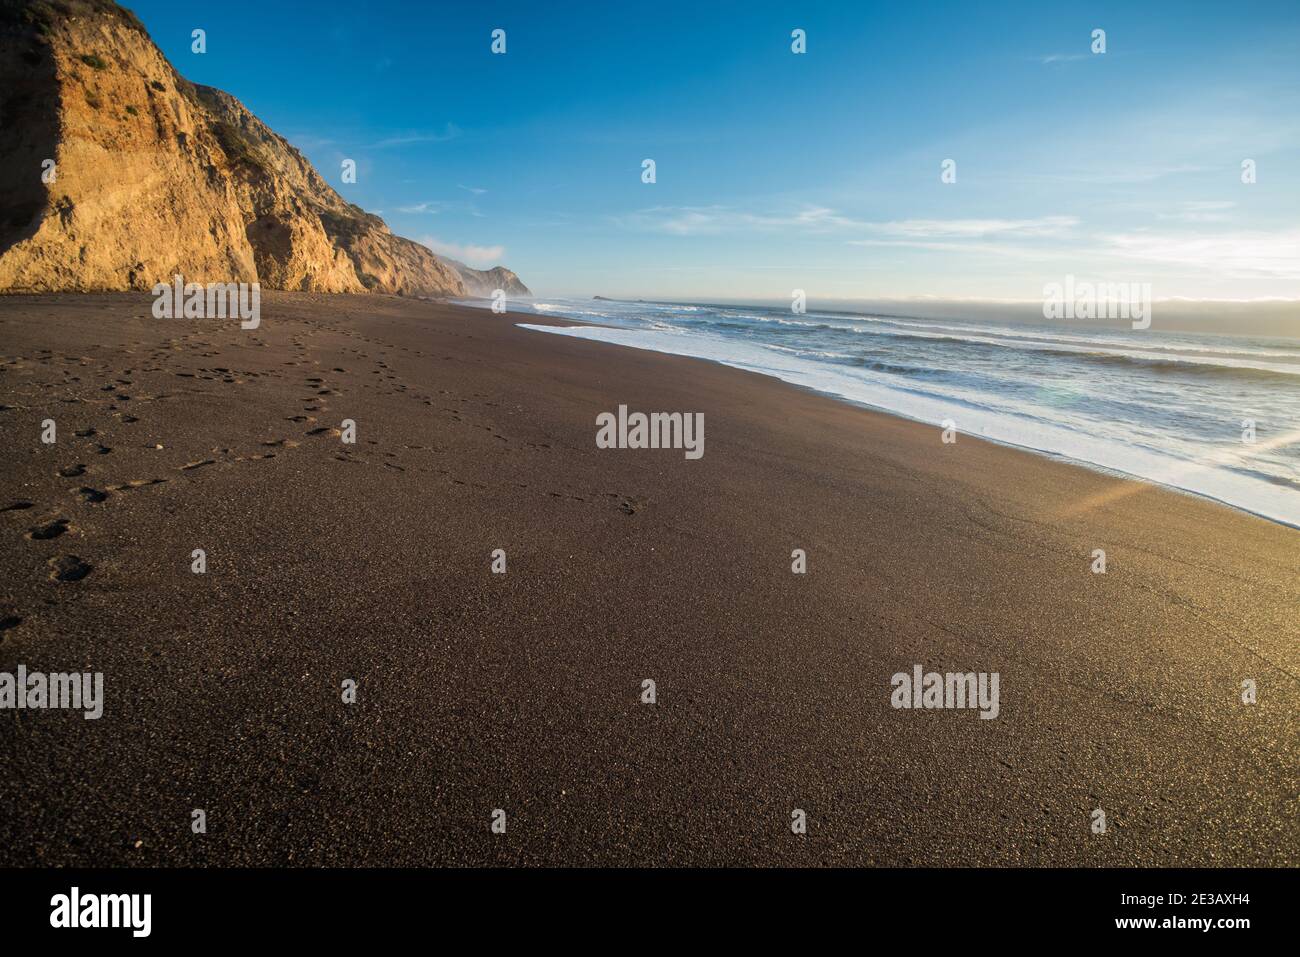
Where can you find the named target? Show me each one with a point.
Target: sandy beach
(476, 691)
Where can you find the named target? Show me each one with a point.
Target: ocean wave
(1091, 351)
(1152, 443)
(1149, 343)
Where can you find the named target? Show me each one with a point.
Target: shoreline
(1276, 514)
(523, 691)
(1046, 453)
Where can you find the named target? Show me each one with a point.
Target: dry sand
(479, 691)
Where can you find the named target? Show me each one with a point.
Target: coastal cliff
(117, 173)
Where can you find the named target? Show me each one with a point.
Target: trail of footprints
(113, 398)
(624, 503)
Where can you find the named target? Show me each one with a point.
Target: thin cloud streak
(450, 132)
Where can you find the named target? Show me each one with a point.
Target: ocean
(1214, 415)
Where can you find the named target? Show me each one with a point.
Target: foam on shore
(934, 405)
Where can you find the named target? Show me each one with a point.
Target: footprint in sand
(198, 464)
(92, 495)
(136, 483)
(49, 530)
(72, 471)
(17, 506)
(69, 568)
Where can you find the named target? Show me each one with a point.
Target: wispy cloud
(1124, 175)
(469, 253)
(1051, 238)
(710, 220)
(1201, 211)
(476, 190)
(429, 207)
(434, 207)
(449, 132)
(1222, 254)
(707, 220)
(1241, 254)
(918, 229)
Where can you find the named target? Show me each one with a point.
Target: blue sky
(778, 171)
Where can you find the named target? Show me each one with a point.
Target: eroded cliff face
(155, 176)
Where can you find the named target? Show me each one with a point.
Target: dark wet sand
(477, 691)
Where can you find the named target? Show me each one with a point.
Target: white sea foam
(1094, 347)
(1148, 453)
